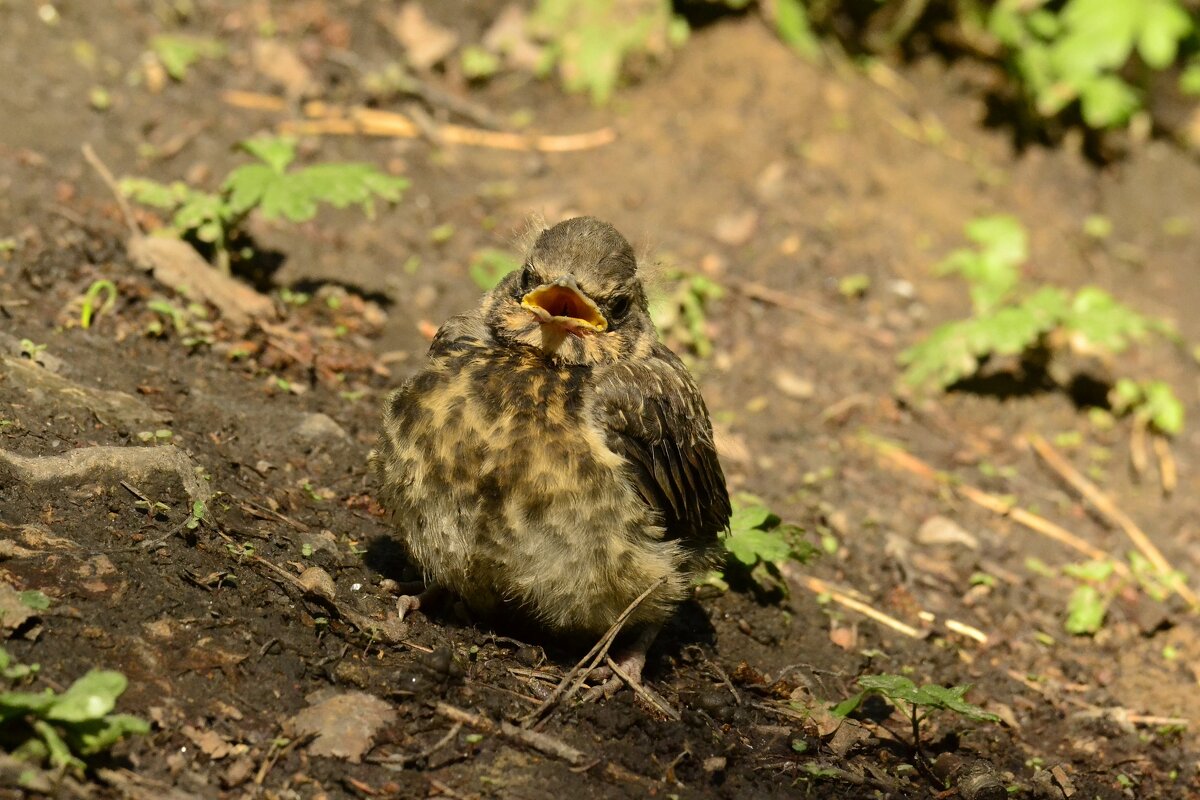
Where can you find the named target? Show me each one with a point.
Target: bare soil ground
(737, 161)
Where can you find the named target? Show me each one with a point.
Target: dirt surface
(736, 161)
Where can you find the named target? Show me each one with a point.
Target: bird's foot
(626, 670)
(408, 603)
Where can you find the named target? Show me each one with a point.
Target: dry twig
(327, 119)
(1105, 505)
(579, 673)
(818, 586)
(106, 175)
(1000, 506)
(535, 740)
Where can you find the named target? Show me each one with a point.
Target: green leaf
(1085, 611)
(202, 213)
(1108, 102)
(1002, 236)
(1098, 321)
(1096, 571)
(944, 358)
(178, 53)
(59, 753)
(898, 688)
(477, 63)
(951, 699)
(1163, 408)
(296, 195)
(747, 517)
(1106, 28)
(247, 184)
(893, 687)
(32, 598)
(89, 698)
(277, 152)
(1164, 25)
(98, 735)
(152, 193)
(750, 546)
(17, 704)
(993, 269)
(847, 706)
(791, 21)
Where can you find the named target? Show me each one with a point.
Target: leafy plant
(268, 186)
(1077, 53)
(1010, 320)
(31, 350)
(921, 700)
(65, 728)
(1088, 604)
(681, 312)
(589, 40)
(1152, 404)
(189, 322)
(761, 542)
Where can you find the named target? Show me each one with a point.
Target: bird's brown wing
(655, 418)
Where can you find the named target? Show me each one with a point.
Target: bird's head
(578, 297)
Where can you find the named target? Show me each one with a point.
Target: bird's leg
(630, 665)
(408, 603)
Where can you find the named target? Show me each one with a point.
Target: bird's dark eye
(529, 280)
(619, 307)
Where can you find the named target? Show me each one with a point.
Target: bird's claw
(408, 603)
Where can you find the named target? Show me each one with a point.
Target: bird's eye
(529, 279)
(619, 307)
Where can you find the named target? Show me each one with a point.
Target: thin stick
(328, 119)
(1000, 506)
(1167, 472)
(540, 742)
(644, 692)
(1109, 509)
(253, 100)
(593, 657)
(106, 175)
(818, 586)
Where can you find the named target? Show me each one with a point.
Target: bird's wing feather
(655, 418)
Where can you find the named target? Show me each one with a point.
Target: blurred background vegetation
(1046, 66)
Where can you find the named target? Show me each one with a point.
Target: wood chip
(176, 264)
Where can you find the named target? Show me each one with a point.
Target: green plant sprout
(267, 186)
(190, 323)
(681, 312)
(921, 700)
(64, 728)
(90, 308)
(1099, 581)
(1012, 320)
(178, 53)
(31, 350)
(1078, 52)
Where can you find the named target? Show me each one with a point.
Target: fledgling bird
(552, 457)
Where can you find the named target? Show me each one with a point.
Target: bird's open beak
(562, 302)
